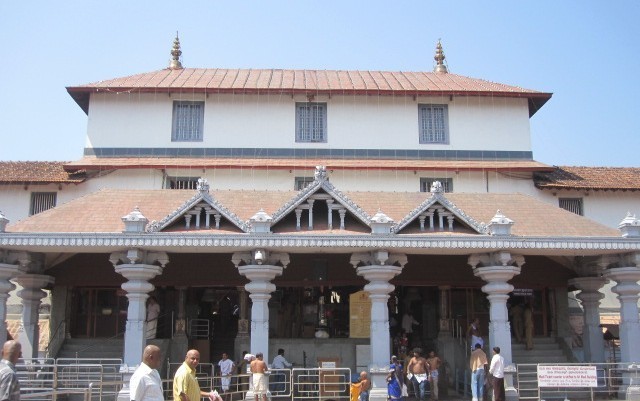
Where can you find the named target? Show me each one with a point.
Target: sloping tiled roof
(102, 210)
(38, 173)
(243, 81)
(100, 163)
(590, 178)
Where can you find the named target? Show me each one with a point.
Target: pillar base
(510, 392)
(124, 393)
(378, 390)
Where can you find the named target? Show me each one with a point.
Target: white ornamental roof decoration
(438, 197)
(321, 182)
(202, 196)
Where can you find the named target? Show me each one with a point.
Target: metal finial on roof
(439, 57)
(175, 63)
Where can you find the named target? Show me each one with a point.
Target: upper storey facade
(189, 112)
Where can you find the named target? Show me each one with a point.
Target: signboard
(522, 292)
(359, 315)
(567, 376)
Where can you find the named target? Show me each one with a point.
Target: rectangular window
(426, 182)
(41, 201)
(311, 122)
(181, 183)
(188, 121)
(434, 124)
(574, 205)
(302, 182)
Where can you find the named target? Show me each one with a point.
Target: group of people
(422, 373)
(522, 323)
(146, 385)
(484, 373)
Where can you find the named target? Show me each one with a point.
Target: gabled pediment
(328, 203)
(437, 213)
(201, 212)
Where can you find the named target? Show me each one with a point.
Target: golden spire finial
(439, 57)
(175, 63)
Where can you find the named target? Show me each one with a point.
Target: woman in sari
(395, 380)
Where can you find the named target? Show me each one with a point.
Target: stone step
(536, 346)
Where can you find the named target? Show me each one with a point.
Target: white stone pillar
(31, 294)
(627, 289)
(497, 269)
(589, 296)
(259, 266)
(136, 266)
(378, 267)
(7, 272)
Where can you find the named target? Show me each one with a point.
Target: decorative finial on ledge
(175, 63)
(500, 224)
(436, 187)
(134, 221)
(203, 185)
(630, 226)
(439, 57)
(320, 173)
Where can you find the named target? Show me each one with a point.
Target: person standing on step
(227, 367)
(153, 312)
(477, 364)
(517, 313)
(434, 362)
(419, 375)
(496, 370)
(528, 325)
(474, 334)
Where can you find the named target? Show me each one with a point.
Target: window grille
(426, 182)
(188, 121)
(311, 122)
(302, 182)
(41, 201)
(182, 183)
(574, 205)
(434, 125)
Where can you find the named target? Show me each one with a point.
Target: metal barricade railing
(52, 395)
(198, 328)
(320, 383)
(609, 380)
(280, 382)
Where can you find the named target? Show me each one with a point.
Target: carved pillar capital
(138, 266)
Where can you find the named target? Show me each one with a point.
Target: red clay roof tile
(590, 178)
(102, 211)
(307, 81)
(38, 172)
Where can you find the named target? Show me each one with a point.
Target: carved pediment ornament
(439, 199)
(501, 258)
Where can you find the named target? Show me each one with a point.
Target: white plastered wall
(268, 121)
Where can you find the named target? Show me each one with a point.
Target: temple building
(312, 210)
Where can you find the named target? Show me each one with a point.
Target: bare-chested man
(418, 369)
(434, 364)
(260, 382)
